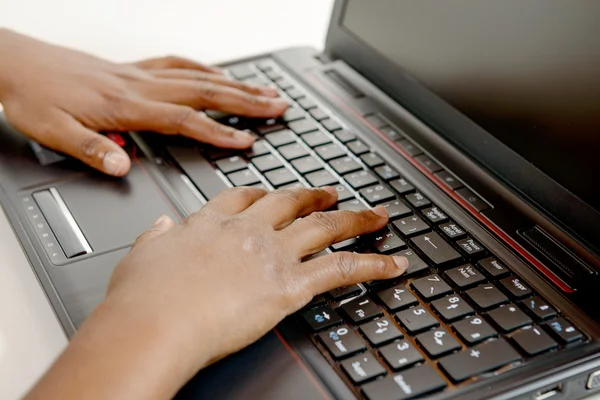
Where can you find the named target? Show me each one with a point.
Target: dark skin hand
(62, 98)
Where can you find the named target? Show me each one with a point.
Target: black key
(533, 340)
(360, 179)
(402, 186)
(428, 163)
(401, 354)
(284, 83)
(258, 149)
(509, 317)
(244, 177)
(376, 194)
(474, 330)
(305, 165)
(474, 361)
(435, 248)
(344, 136)
(406, 385)
(314, 139)
(358, 147)
(465, 276)
(415, 264)
(351, 244)
(307, 103)
(317, 301)
(417, 200)
(344, 165)
(437, 342)
(341, 341)
(292, 114)
(331, 124)
(361, 310)
(267, 162)
(372, 160)
(452, 307)
(470, 246)
(387, 242)
(475, 201)
(416, 319)
(330, 151)
(452, 230)
(564, 331)
(321, 318)
(376, 120)
(321, 178)
(434, 215)
(362, 367)
(397, 298)
(270, 125)
(411, 225)
(386, 172)
(280, 177)
(494, 268)
(345, 292)
(381, 331)
(352, 205)
(198, 169)
(396, 209)
(295, 93)
(303, 126)
(486, 296)
(539, 308)
(515, 287)
(280, 138)
(292, 151)
(343, 193)
(431, 287)
(391, 133)
(212, 153)
(242, 71)
(448, 180)
(410, 148)
(318, 114)
(231, 164)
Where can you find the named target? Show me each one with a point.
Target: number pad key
(406, 385)
(380, 331)
(387, 241)
(341, 341)
(437, 342)
(397, 298)
(362, 367)
(493, 267)
(452, 307)
(533, 340)
(509, 317)
(361, 310)
(401, 354)
(564, 330)
(539, 308)
(486, 296)
(411, 225)
(474, 330)
(431, 287)
(465, 276)
(516, 287)
(321, 318)
(416, 319)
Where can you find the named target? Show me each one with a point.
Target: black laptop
(477, 124)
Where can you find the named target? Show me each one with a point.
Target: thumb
(162, 225)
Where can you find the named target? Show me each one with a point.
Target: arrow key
(435, 248)
(452, 307)
(381, 331)
(401, 354)
(437, 342)
(431, 287)
(341, 341)
(397, 298)
(321, 318)
(361, 309)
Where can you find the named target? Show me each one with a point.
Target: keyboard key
(416, 319)
(331, 124)
(317, 301)
(318, 114)
(406, 385)
(314, 139)
(401, 354)
(515, 287)
(470, 246)
(307, 103)
(401, 186)
(386, 172)
(343, 193)
(428, 163)
(437, 342)
(381, 331)
(345, 292)
(485, 357)
(361, 310)
(452, 230)
(387, 242)
(448, 180)
(269, 125)
(292, 114)
(410, 148)
(564, 331)
(303, 126)
(372, 160)
(360, 179)
(344, 136)
(215, 153)
(391, 133)
(362, 367)
(474, 330)
(284, 84)
(292, 151)
(321, 178)
(417, 200)
(258, 149)
(352, 205)
(344, 165)
(431, 287)
(376, 194)
(539, 308)
(465, 276)
(305, 165)
(376, 120)
(533, 340)
(244, 177)
(267, 162)
(358, 147)
(396, 209)
(330, 151)
(231, 164)
(415, 263)
(280, 138)
(321, 318)
(434, 215)
(242, 71)
(292, 185)
(351, 244)
(435, 248)
(494, 268)
(411, 225)
(452, 307)
(509, 317)
(341, 341)
(295, 93)
(486, 296)
(475, 201)
(397, 297)
(280, 177)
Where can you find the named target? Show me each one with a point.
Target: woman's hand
(61, 98)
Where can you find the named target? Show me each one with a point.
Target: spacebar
(198, 169)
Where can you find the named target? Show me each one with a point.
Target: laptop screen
(527, 72)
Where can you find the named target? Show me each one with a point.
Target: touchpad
(112, 213)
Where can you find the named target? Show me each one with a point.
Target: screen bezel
(508, 166)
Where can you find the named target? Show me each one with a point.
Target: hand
(61, 98)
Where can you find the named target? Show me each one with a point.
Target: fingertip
(116, 163)
(401, 263)
(269, 91)
(163, 222)
(380, 211)
(331, 190)
(244, 139)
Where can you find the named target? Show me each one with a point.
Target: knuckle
(91, 146)
(290, 196)
(325, 222)
(181, 117)
(346, 264)
(208, 90)
(255, 100)
(217, 129)
(379, 264)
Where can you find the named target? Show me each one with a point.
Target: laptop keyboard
(457, 314)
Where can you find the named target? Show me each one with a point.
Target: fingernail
(330, 189)
(115, 163)
(269, 91)
(401, 262)
(381, 211)
(162, 219)
(279, 102)
(242, 136)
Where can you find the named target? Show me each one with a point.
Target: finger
(322, 229)
(235, 200)
(281, 207)
(162, 225)
(176, 62)
(344, 268)
(182, 74)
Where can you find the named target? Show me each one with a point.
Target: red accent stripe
(480, 217)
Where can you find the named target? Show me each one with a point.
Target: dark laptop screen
(527, 71)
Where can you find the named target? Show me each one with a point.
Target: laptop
(476, 124)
